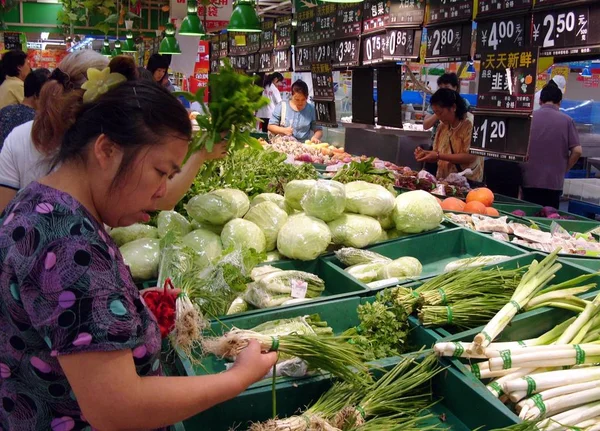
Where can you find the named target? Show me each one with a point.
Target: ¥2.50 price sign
(373, 47)
(501, 137)
(402, 44)
(449, 10)
(282, 60)
(265, 62)
(447, 44)
(346, 53)
(326, 113)
(302, 58)
(493, 7)
(505, 34)
(322, 78)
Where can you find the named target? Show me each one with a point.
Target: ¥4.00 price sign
(500, 35)
(501, 137)
(346, 53)
(446, 44)
(326, 113)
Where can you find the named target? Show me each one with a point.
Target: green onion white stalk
(571, 418)
(552, 379)
(544, 356)
(556, 400)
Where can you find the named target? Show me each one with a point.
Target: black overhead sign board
(215, 47)
(305, 32)
(215, 65)
(302, 58)
(322, 78)
(282, 60)
(346, 52)
(402, 44)
(326, 115)
(323, 53)
(375, 15)
(252, 63)
(325, 22)
(503, 34)
(252, 42)
(442, 11)
(492, 8)
(283, 32)
(237, 43)
(223, 45)
(12, 41)
(239, 62)
(406, 12)
(349, 20)
(501, 136)
(265, 62)
(449, 43)
(267, 36)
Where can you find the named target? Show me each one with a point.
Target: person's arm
(129, 401)
(9, 176)
(318, 130)
(6, 195)
(430, 120)
(276, 95)
(275, 121)
(574, 146)
(317, 136)
(576, 153)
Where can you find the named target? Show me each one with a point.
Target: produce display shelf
(530, 211)
(435, 251)
(501, 199)
(589, 264)
(579, 226)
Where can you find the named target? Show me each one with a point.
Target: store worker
(272, 93)
(560, 82)
(553, 150)
(447, 80)
(14, 68)
(452, 139)
(12, 116)
(296, 117)
(80, 349)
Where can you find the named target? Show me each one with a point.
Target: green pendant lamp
(244, 18)
(191, 25)
(169, 44)
(105, 51)
(129, 45)
(117, 51)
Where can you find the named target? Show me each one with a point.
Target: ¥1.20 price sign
(252, 63)
(504, 34)
(349, 20)
(507, 80)
(558, 31)
(451, 43)
(283, 32)
(401, 44)
(325, 22)
(265, 62)
(282, 60)
(322, 78)
(305, 31)
(407, 12)
(375, 15)
(449, 10)
(302, 58)
(323, 53)
(492, 7)
(346, 52)
(501, 137)
(373, 47)
(326, 113)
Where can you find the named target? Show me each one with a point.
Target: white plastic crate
(584, 189)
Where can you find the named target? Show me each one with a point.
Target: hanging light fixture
(129, 45)
(244, 18)
(471, 68)
(191, 24)
(117, 51)
(586, 72)
(105, 51)
(169, 44)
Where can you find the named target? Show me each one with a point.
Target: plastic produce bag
(369, 199)
(303, 237)
(354, 230)
(206, 244)
(172, 221)
(326, 200)
(350, 256)
(271, 197)
(403, 267)
(417, 211)
(269, 218)
(240, 233)
(295, 191)
(142, 256)
(123, 235)
(219, 206)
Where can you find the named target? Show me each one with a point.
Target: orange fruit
(483, 195)
(439, 200)
(475, 207)
(492, 212)
(453, 204)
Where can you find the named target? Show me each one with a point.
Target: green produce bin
(531, 210)
(435, 251)
(259, 135)
(579, 226)
(501, 199)
(589, 264)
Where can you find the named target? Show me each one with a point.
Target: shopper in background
(14, 68)
(271, 92)
(14, 115)
(560, 82)
(80, 349)
(145, 75)
(452, 139)
(158, 66)
(553, 150)
(296, 117)
(447, 80)
(124, 65)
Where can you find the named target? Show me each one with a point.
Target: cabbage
(271, 197)
(206, 244)
(325, 201)
(206, 226)
(387, 221)
(269, 218)
(383, 237)
(353, 230)
(273, 256)
(219, 206)
(241, 233)
(365, 272)
(142, 256)
(368, 199)
(295, 191)
(303, 237)
(402, 267)
(417, 211)
(123, 235)
(172, 221)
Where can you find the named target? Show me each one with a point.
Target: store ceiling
(274, 8)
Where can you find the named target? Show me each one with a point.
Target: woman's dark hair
(551, 93)
(300, 87)
(448, 79)
(272, 77)
(10, 64)
(124, 65)
(134, 115)
(447, 98)
(157, 61)
(145, 75)
(35, 81)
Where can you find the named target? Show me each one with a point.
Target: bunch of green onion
(465, 313)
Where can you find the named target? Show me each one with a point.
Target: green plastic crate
(501, 199)
(573, 226)
(589, 264)
(437, 250)
(530, 211)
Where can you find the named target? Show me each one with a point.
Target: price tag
(402, 44)
(323, 53)
(239, 62)
(252, 43)
(267, 36)
(448, 44)
(493, 7)
(322, 78)
(282, 60)
(265, 62)
(215, 65)
(283, 32)
(326, 113)
(306, 30)
(215, 47)
(237, 43)
(325, 22)
(346, 53)
(223, 45)
(442, 11)
(252, 63)
(505, 34)
(407, 12)
(373, 47)
(299, 288)
(507, 80)
(501, 137)
(375, 15)
(541, 3)
(349, 20)
(302, 58)
(12, 41)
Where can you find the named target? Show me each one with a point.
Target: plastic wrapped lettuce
(206, 244)
(417, 211)
(271, 197)
(368, 199)
(350, 256)
(303, 237)
(206, 226)
(326, 200)
(354, 230)
(387, 221)
(123, 235)
(240, 234)
(219, 206)
(365, 272)
(295, 191)
(172, 221)
(402, 267)
(142, 256)
(269, 218)
(274, 256)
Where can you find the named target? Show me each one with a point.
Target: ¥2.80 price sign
(500, 35)
(451, 43)
(501, 137)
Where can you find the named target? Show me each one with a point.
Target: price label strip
(349, 20)
(408, 12)
(302, 58)
(448, 44)
(267, 36)
(265, 62)
(494, 7)
(506, 34)
(442, 11)
(373, 47)
(501, 137)
(325, 22)
(402, 44)
(346, 53)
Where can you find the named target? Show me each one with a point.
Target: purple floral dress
(63, 289)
